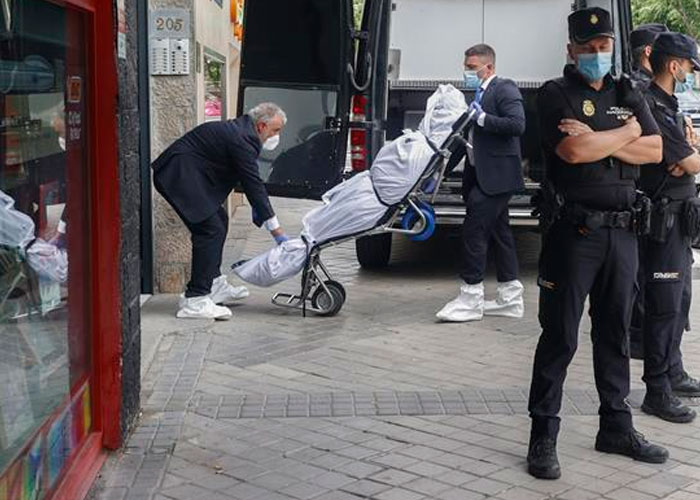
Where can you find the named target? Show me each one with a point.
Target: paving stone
(427, 486)
(332, 480)
(398, 494)
(303, 491)
(365, 487)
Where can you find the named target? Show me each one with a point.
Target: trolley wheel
(328, 304)
(410, 219)
(340, 287)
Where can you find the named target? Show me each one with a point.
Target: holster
(663, 217)
(641, 215)
(690, 218)
(548, 206)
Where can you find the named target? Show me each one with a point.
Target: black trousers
(208, 238)
(603, 266)
(668, 268)
(486, 226)
(637, 325)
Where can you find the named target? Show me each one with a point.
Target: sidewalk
(379, 402)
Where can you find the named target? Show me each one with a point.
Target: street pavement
(379, 402)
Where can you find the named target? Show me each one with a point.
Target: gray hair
(266, 111)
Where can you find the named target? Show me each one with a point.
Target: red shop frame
(105, 289)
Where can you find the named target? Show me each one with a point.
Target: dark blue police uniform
(577, 262)
(667, 253)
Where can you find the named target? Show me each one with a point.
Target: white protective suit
(353, 206)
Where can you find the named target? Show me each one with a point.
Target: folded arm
(590, 146)
(647, 149)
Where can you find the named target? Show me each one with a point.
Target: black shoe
(636, 350)
(542, 461)
(686, 386)
(667, 407)
(631, 444)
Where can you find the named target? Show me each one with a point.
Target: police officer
(594, 131)
(667, 252)
(641, 41)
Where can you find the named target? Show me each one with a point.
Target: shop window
(44, 237)
(214, 93)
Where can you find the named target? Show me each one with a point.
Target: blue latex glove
(475, 106)
(281, 238)
(429, 185)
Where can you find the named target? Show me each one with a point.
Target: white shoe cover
(202, 308)
(224, 293)
(468, 306)
(509, 301)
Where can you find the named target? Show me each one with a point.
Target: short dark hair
(481, 50)
(637, 53)
(659, 61)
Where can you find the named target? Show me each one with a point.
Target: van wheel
(374, 252)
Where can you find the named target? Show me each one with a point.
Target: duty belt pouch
(690, 218)
(662, 220)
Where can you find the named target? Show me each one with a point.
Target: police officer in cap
(594, 132)
(641, 41)
(666, 251)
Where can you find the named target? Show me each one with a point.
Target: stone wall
(177, 106)
(130, 193)
(173, 113)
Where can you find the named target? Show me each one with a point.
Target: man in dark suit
(492, 174)
(195, 175)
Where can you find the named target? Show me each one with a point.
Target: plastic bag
(16, 228)
(48, 260)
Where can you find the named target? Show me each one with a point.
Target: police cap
(587, 24)
(677, 45)
(645, 34)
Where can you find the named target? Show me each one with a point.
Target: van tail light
(358, 136)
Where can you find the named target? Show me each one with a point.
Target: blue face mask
(471, 78)
(685, 85)
(594, 66)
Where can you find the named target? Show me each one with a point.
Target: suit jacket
(198, 171)
(496, 145)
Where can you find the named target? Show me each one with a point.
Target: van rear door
(296, 53)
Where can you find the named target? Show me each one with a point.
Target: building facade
(182, 99)
(70, 190)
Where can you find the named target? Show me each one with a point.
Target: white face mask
(271, 143)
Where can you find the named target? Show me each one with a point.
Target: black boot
(685, 385)
(667, 407)
(631, 444)
(542, 461)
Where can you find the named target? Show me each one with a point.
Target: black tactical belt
(596, 219)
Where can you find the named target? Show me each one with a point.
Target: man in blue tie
(491, 176)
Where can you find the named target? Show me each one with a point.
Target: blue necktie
(477, 96)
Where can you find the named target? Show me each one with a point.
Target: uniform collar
(670, 101)
(572, 74)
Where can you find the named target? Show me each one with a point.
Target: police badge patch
(588, 108)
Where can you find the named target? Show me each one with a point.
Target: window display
(44, 236)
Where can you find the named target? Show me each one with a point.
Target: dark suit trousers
(486, 226)
(208, 238)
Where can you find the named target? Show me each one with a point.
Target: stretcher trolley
(413, 216)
